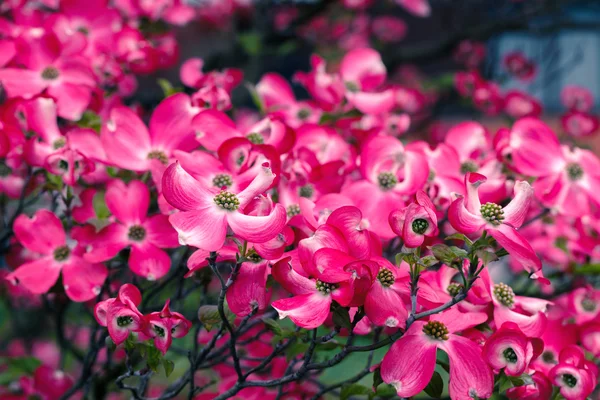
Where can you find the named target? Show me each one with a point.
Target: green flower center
(420, 226)
(59, 143)
(62, 253)
(158, 155)
(574, 171)
(468, 166)
(303, 114)
(124, 321)
(588, 304)
(256, 138)
(492, 213)
(159, 331)
(293, 210)
(351, 86)
(569, 380)
(454, 289)
(227, 201)
(504, 294)
(137, 233)
(387, 180)
(325, 287)
(50, 74)
(386, 277)
(306, 191)
(436, 330)
(510, 355)
(222, 180)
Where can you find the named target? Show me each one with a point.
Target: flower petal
(37, 276)
(128, 202)
(40, 234)
(82, 280)
(308, 311)
(516, 211)
(258, 229)
(149, 261)
(462, 219)
(160, 232)
(249, 290)
(518, 248)
(263, 180)
(385, 307)
(204, 229)
(126, 139)
(290, 280)
(184, 192)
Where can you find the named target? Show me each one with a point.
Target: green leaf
(428, 261)
(273, 326)
(435, 386)
(91, 120)
(287, 47)
(167, 88)
(341, 317)
(54, 182)
(461, 237)
(486, 255)
(251, 42)
(153, 358)
(169, 366)
(21, 365)
(295, 349)
(353, 389)
(255, 97)
(522, 380)
(209, 316)
(587, 269)
(99, 204)
(386, 391)
(504, 383)
(377, 380)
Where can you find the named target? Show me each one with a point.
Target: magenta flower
(146, 236)
(577, 98)
(120, 314)
(410, 362)
(470, 216)
(165, 325)
(205, 213)
(574, 375)
(415, 222)
(44, 234)
(249, 290)
(509, 349)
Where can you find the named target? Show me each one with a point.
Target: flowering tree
(320, 245)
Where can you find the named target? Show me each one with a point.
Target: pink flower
(540, 389)
(420, 8)
(46, 383)
(579, 124)
(416, 221)
(326, 89)
(388, 28)
(44, 234)
(518, 65)
(205, 213)
(249, 291)
(410, 362)
(509, 349)
(574, 375)
(470, 216)
(518, 104)
(577, 98)
(67, 78)
(363, 72)
(165, 325)
(120, 314)
(146, 236)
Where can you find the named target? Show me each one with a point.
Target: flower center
(386, 277)
(504, 294)
(137, 233)
(454, 288)
(293, 210)
(492, 213)
(569, 380)
(5, 170)
(351, 86)
(436, 330)
(62, 253)
(325, 287)
(387, 180)
(159, 331)
(227, 201)
(574, 171)
(222, 180)
(59, 143)
(303, 114)
(588, 304)
(124, 321)
(510, 355)
(50, 73)
(306, 191)
(420, 226)
(253, 256)
(548, 357)
(256, 138)
(158, 155)
(468, 166)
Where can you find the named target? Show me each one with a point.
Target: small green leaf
(377, 380)
(461, 237)
(251, 42)
(386, 391)
(209, 316)
(169, 366)
(91, 120)
(167, 88)
(587, 269)
(273, 326)
(21, 365)
(255, 97)
(99, 204)
(487, 256)
(341, 317)
(504, 383)
(353, 389)
(428, 261)
(295, 349)
(522, 380)
(435, 386)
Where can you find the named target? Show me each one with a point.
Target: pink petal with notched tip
(516, 211)
(42, 233)
(82, 280)
(212, 128)
(205, 229)
(519, 249)
(184, 192)
(364, 68)
(170, 124)
(308, 311)
(420, 8)
(273, 89)
(249, 290)
(373, 103)
(290, 280)
(126, 139)
(410, 362)
(128, 202)
(331, 265)
(22, 82)
(191, 72)
(71, 99)
(107, 243)
(384, 306)
(159, 231)
(462, 219)
(470, 376)
(149, 261)
(37, 276)
(263, 181)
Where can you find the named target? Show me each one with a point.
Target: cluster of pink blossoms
(309, 200)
